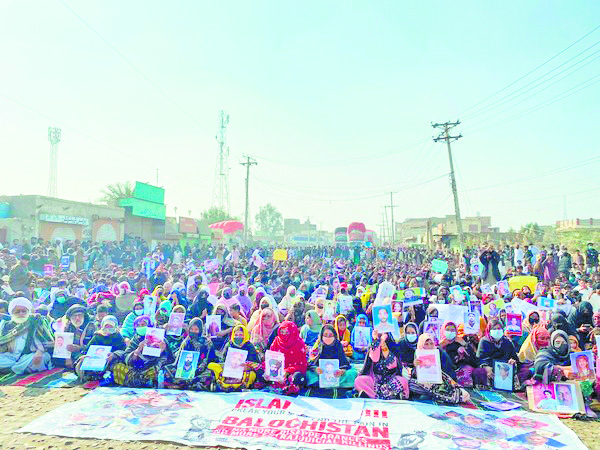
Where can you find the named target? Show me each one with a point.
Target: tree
(112, 193)
(214, 214)
(532, 233)
(269, 220)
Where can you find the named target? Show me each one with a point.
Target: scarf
(317, 323)
(261, 332)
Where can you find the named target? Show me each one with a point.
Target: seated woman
(495, 346)
(329, 347)
(553, 363)
(163, 313)
(381, 376)
(312, 328)
(405, 349)
(432, 313)
(448, 391)
(227, 324)
(127, 329)
(581, 321)
(264, 302)
(240, 340)
(343, 334)
(196, 341)
(134, 369)
(107, 335)
(361, 341)
(265, 330)
(297, 313)
(537, 339)
(289, 343)
(200, 307)
(25, 340)
(462, 355)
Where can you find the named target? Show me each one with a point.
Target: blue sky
(333, 99)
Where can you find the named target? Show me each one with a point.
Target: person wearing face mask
(329, 347)
(266, 301)
(553, 362)
(535, 341)
(288, 300)
(381, 375)
(460, 353)
(448, 391)
(200, 307)
(60, 302)
(312, 328)
(432, 313)
(289, 343)
(240, 340)
(264, 331)
(25, 340)
(76, 321)
(161, 317)
(408, 344)
(495, 346)
(361, 339)
(127, 330)
(227, 299)
(133, 368)
(196, 341)
(108, 335)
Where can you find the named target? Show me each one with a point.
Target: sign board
(187, 225)
(65, 262)
(280, 254)
(149, 193)
(59, 218)
(144, 208)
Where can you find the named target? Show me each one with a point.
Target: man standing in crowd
(591, 258)
(19, 276)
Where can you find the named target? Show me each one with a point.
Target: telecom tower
(221, 188)
(54, 139)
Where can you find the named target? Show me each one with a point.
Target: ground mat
(258, 420)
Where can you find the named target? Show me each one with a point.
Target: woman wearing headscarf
(361, 341)
(127, 330)
(432, 313)
(163, 312)
(239, 340)
(581, 320)
(158, 292)
(296, 314)
(558, 321)
(343, 334)
(264, 331)
(244, 300)
(25, 340)
(329, 347)
(536, 340)
(381, 376)
(196, 341)
(200, 307)
(460, 353)
(289, 343)
(135, 369)
(287, 302)
(408, 344)
(495, 346)
(227, 324)
(448, 391)
(227, 299)
(312, 328)
(553, 362)
(107, 335)
(266, 301)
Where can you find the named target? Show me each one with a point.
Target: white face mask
(450, 335)
(411, 337)
(496, 334)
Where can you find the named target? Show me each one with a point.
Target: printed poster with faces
(429, 367)
(382, 319)
(61, 341)
(235, 361)
(328, 378)
(95, 358)
(152, 341)
(503, 376)
(514, 324)
(329, 311)
(361, 337)
(471, 322)
(187, 365)
(213, 324)
(150, 306)
(274, 365)
(175, 325)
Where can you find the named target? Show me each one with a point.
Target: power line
(248, 163)
(529, 73)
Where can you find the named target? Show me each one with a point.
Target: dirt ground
(19, 406)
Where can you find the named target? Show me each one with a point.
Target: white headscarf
(19, 301)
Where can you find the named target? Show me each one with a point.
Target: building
(577, 224)
(27, 216)
(145, 212)
(294, 226)
(434, 229)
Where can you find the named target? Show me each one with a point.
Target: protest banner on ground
(258, 420)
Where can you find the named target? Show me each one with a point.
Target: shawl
(531, 344)
(406, 349)
(317, 323)
(226, 319)
(292, 346)
(550, 356)
(36, 327)
(444, 342)
(346, 336)
(198, 344)
(261, 332)
(245, 345)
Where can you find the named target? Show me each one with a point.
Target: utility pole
(54, 135)
(249, 162)
(392, 206)
(445, 136)
(387, 223)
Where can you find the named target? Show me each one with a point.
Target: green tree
(269, 220)
(215, 214)
(532, 233)
(112, 193)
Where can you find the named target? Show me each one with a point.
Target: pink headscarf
(422, 339)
